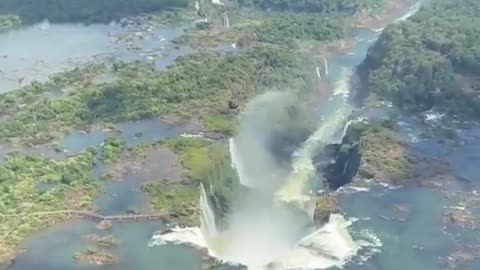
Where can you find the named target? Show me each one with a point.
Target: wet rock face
(338, 164)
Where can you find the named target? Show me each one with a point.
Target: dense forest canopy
(83, 10)
(325, 6)
(200, 84)
(283, 28)
(433, 59)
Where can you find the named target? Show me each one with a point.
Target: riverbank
(215, 88)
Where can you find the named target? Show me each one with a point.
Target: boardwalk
(119, 218)
(97, 217)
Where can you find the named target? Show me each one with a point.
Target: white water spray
(325, 66)
(207, 218)
(263, 235)
(226, 20)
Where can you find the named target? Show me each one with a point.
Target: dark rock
(338, 163)
(232, 104)
(132, 212)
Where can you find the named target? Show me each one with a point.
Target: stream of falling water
(274, 228)
(277, 231)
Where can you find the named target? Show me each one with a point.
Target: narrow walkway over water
(89, 215)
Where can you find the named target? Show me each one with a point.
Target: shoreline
(337, 52)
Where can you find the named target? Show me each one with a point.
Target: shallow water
(133, 132)
(415, 244)
(35, 52)
(38, 51)
(53, 249)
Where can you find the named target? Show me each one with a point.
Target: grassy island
(383, 155)
(37, 191)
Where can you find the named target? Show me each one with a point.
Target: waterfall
(345, 129)
(303, 169)
(345, 167)
(342, 86)
(218, 2)
(197, 6)
(44, 25)
(207, 216)
(412, 10)
(236, 162)
(226, 20)
(325, 66)
(275, 230)
(318, 72)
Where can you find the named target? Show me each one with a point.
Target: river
(417, 243)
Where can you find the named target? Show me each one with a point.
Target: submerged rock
(104, 225)
(460, 216)
(95, 257)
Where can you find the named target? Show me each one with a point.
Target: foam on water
(260, 236)
(295, 190)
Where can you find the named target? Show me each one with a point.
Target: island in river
(91, 139)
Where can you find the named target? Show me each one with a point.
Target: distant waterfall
(317, 69)
(410, 12)
(226, 20)
(207, 216)
(325, 66)
(44, 25)
(197, 6)
(236, 163)
(345, 129)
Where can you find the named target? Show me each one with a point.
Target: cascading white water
(226, 20)
(412, 10)
(263, 233)
(236, 164)
(325, 66)
(207, 217)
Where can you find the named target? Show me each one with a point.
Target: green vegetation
(208, 162)
(90, 11)
(107, 241)
(198, 156)
(432, 59)
(314, 6)
(24, 208)
(278, 28)
(95, 257)
(24, 109)
(9, 22)
(112, 148)
(180, 200)
(224, 123)
(382, 154)
(287, 27)
(197, 85)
